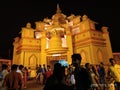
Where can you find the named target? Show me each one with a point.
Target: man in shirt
(13, 80)
(82, 76)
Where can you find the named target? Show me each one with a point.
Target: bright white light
(63, 62)
(47, 43)
(64, 42)
(56, 55)
(38, 35)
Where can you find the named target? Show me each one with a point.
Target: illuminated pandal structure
(58, 38)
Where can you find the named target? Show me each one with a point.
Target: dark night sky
(15, 15)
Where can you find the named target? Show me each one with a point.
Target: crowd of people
(42, 73)
(84, 77)
(14, 77)
(72, 77)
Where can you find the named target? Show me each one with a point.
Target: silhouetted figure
(102, 75)
(56, 80)
(82, 77)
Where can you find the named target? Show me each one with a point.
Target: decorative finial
(58, 9)
(28, 25)
(85, 17)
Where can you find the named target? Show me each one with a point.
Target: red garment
(48, 73)
(25, 78)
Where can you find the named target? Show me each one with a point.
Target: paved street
(32, 85)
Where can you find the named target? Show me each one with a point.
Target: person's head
(14, 67)
(4, 66)
(76, 59)
(87, 65)
(59, 70)
(21, 67)
(43, 65)
(112, 61)
(101, 64)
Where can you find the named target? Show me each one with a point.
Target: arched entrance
(32, 64)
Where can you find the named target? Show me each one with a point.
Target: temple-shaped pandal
(58, 38)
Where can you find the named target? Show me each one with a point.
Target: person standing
(13, 80)
(82, 77)
(4, 73)
(25, 77)
(29, 73)
(57, 80)
(114, 72)
(102, 75)
(48, 72)
(20, 70)
(43, 72)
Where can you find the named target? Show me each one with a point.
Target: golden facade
(58, 38)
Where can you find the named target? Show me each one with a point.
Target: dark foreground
(32, 85)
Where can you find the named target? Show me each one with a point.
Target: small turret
(27, 31)
(28, 25)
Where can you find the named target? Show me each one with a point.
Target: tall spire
(58, 9)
